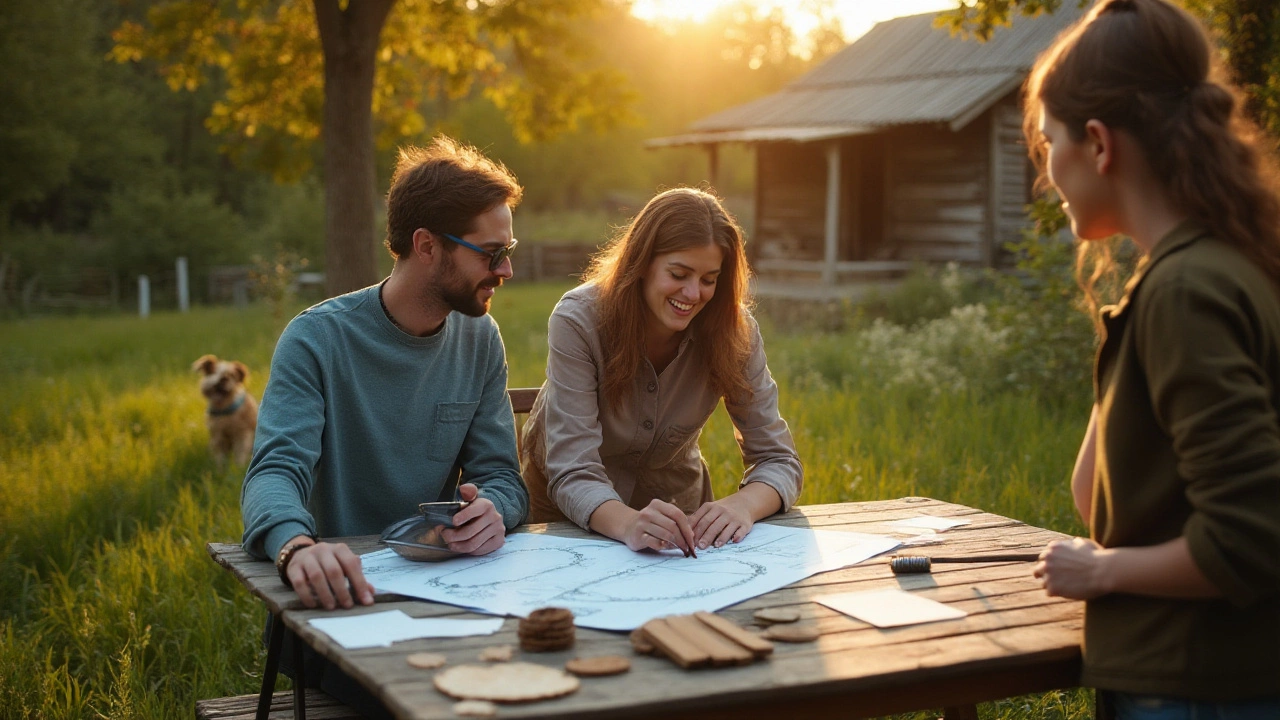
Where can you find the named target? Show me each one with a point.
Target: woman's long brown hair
(1149, 68)
(673, 220)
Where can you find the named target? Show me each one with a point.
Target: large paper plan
(610, 587)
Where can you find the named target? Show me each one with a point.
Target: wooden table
(1015, 639)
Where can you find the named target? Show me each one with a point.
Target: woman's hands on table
(662, 525)
(658, 526)
(731, 518)
(719, 522)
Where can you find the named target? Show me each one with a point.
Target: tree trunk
(349, 39)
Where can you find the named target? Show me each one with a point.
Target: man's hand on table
(478, 528)
(328, 574)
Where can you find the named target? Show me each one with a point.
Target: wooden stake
(756, 644)
(723, 651)
(674, 645)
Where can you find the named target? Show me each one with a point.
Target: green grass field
(109, 606)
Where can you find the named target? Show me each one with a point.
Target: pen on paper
(690, 550)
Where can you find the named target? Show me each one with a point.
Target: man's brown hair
(443, 187)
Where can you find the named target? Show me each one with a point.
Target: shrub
(963, 350)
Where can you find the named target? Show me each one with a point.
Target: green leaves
(531, 58)
(981, 18)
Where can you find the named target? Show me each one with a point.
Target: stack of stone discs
(546, 630)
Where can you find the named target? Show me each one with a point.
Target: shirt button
(648, 424)
(653, 386)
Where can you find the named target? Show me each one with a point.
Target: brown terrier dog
(233, 413)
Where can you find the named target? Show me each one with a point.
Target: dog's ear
(205, 364)
(241, 370)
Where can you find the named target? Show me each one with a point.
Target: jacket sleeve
(1199, 340)
(768, 451)
(488, 455)
(278, 482)
(576, 479)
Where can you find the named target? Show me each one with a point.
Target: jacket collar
(1182, 235)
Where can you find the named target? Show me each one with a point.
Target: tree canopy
(529, 59)
(117, 159)
(344, 72)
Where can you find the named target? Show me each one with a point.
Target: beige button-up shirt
(578, 452)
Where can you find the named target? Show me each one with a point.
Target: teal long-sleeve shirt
(361, 421)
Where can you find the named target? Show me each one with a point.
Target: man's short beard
(456, 294)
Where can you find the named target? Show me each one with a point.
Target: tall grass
(109, 606)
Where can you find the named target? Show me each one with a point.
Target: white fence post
(184, 291)
(144, 296)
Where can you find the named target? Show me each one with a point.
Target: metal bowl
(420, 537)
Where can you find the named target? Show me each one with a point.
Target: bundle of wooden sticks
(701, 640)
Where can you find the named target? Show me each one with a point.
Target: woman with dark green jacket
(1178, 477)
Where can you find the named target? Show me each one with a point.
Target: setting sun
(856, 16)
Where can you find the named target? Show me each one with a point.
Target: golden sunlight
(856, 16)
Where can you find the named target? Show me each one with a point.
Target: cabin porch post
(831, 240)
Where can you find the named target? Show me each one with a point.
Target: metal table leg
(299, 682)
(275, 639)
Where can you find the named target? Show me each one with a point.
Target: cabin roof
(904, 71)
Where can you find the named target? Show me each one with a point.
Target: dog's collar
(233, 407)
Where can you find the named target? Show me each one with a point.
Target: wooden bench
(245, 707)
(316, 705)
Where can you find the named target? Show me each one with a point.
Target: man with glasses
(393, 395)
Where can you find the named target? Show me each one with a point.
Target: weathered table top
(1015, 639)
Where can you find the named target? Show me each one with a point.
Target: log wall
(914, 193)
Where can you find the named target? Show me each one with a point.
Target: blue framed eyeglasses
(495, 256)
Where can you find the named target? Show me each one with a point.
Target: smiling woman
(640, 356)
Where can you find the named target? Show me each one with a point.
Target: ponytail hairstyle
(673, 220)
(1148, 67)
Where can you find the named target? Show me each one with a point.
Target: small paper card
(890, 608)
(930, 522)
(383, 628)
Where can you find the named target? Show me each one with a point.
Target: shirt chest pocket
(449, 430)
(674, 442)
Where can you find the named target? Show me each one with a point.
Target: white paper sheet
(610, 587)
(890, 608)
(930, 522)
(383, 628)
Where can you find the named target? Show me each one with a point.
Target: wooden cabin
(904, 147)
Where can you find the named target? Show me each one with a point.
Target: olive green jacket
(1188, 385)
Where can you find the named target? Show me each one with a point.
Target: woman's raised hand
(660, 526)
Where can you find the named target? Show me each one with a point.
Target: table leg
(275, 639)
(1102, 708)
(299, 682)
(960, 712)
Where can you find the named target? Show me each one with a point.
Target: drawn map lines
(610, 587)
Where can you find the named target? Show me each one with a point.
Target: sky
(856, 16)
